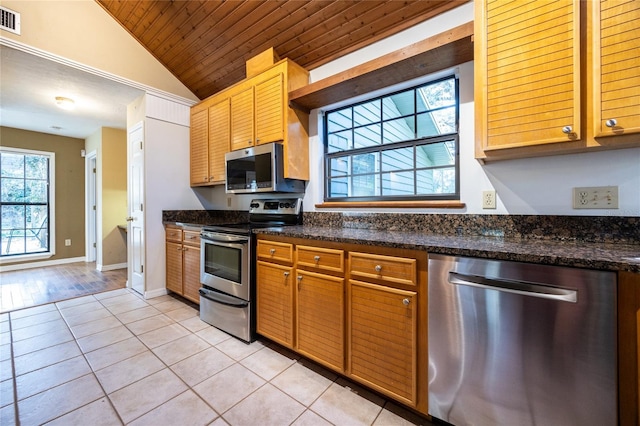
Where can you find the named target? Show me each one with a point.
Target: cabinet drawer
(275, 251)
(173, 234)
(191, 237)
(320, 258)
(399, 270)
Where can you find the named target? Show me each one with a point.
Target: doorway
(91, 188)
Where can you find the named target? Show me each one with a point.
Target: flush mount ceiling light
(65, 103)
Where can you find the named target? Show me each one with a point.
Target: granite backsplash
(597, 229)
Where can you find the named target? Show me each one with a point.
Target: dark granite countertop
(603, 256)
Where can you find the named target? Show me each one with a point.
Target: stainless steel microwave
(258, 169)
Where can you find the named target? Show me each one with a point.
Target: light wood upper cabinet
(616, 55)
(199, 148)
(555, 77)
(270, 106)
(218, 140)
(257, 111)
(242, 110)
(527, 76)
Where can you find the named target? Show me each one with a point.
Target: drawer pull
(567, 130)
(286, 274)
(612, 122)
(272, 251)
(406, 302)
(378, 268)
(316, 258)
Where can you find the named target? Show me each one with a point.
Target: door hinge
(94, 245)
(94, 170)
(94, 207)
(142, 269)
(140, 207)
(140, 145)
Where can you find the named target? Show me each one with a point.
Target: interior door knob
(129, 219)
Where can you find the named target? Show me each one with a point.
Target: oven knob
(281, 205)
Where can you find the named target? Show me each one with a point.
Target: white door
(135, 234)
(92, 224)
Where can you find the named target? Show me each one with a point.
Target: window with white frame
(26, 186)
(399, 146)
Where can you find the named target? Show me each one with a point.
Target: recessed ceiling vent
(9, 20)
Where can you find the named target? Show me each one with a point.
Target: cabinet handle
(286, 274)
(567, 130)
(204, 179)
(378, 268)
(406, 302)
(316, 258)
(210, 178)
(299, 282)
(257, 140)
(272, 251)
(179, 249)
(249, 141)
(611, 122)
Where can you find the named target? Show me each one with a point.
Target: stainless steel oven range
(227, 266)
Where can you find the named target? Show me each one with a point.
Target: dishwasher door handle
(512, 286)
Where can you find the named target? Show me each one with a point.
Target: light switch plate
(595, 197)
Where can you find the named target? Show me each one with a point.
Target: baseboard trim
(115, 266)
(155, 293)
(30, 265)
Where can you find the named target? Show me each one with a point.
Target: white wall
(528, 186)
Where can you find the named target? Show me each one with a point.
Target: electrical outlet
(67, 242)
(488, 199)
(595, 197)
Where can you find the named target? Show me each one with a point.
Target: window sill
(439, 204)
(25, 257)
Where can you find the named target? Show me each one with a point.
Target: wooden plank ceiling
(205, 43)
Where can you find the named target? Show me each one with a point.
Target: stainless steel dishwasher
(521, 344)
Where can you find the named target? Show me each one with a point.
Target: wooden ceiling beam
(436, 53)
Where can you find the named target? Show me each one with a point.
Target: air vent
(9, 20)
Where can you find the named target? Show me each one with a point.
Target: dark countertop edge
(610, 257)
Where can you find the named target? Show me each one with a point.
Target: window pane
(36, 167)
(364, 186)
(436, 123)
(367, 113)
(365, 163)
(436, 181)
(398, 159)
(339, 166)
(12, 190)
(435, 154)
(398, 105)
(398, 183)
(436, 95)
(367, 136)
(13, 217)
(338, 187)
(339, 120)
(12, 165)
(340, 141)
(402, 129)
(36, 191)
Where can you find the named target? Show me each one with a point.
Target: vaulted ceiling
(205, 43)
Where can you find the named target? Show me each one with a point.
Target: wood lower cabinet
(183, 262)
(383, 344)
(274, 313)
(320, 318)
(358, 310)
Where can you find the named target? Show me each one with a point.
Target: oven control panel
(284, 206)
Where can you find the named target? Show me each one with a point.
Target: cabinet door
(269, 110)
(219, 140)
(274, 311)
(191, 273)
(383, 339)
(242, 119)
(199, 149)
(174, 267)
(320, 318)
(527, 76)
(616, 54)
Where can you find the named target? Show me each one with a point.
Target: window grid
(24, 204)
(344, 142)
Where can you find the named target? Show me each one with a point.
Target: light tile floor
(113, 358)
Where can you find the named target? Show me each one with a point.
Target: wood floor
(37, 286)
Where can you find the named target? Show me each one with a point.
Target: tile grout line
(16, 415)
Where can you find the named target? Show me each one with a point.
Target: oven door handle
(214, 296)
(224, 239)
